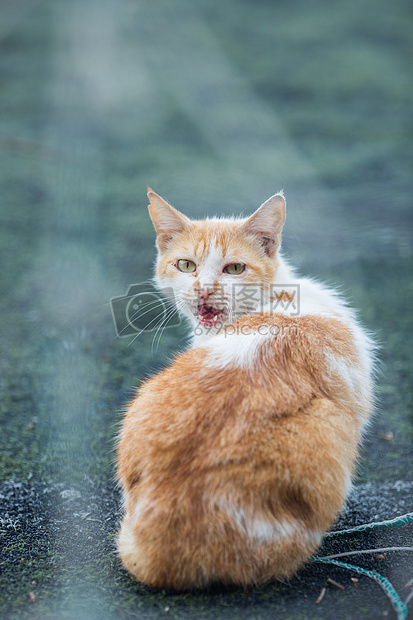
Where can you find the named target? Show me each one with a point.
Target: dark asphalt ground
(216, 105)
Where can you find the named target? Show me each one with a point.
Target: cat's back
(233, 467)
(195, 414)
(222, 401)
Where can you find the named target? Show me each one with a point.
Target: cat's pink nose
(205, 293)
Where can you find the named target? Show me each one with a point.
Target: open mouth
(209, 316)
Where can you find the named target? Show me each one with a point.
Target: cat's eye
(187, 266)
(234, 269)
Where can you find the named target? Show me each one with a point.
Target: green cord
(399, 606)
(402, 520)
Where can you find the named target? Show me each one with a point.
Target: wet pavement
(216, 106)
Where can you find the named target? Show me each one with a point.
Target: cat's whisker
(135, 337)
(156, 303)
(163, 326)
(126, 297)
(154, 320)
(140, 314)
(144, 329)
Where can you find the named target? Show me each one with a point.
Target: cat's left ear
(267, 223)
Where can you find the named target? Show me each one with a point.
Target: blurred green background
(216, 105)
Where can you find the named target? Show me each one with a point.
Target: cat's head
(219, 269)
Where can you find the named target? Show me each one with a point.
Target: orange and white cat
(236, 459)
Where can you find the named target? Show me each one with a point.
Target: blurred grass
(216, 106)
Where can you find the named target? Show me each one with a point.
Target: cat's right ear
(166, 220)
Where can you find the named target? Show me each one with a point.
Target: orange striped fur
(236, 459)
